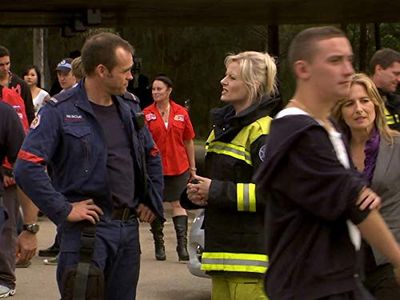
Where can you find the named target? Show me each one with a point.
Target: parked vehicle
(196, 245)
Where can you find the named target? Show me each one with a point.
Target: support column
(40, 54)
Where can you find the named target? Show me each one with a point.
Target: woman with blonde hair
(375, 150)
(234, 253)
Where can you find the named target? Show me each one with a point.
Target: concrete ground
(159, 280)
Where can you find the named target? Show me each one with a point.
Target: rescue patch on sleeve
(262, 152)
(35, 123)
(180, 118)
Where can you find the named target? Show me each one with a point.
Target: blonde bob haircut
(258, 72)
(373, 94)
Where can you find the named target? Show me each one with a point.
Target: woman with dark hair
(32, 77)
(375, 150)
(170, 125)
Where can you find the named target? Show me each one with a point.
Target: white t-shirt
(38, 101)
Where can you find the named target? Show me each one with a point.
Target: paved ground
(158, 280)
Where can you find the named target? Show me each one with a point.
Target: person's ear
(302, 69)
(101, 71)
(378, 69)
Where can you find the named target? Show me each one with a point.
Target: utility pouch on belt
(84, 281)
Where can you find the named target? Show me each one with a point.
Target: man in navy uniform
(106, 169)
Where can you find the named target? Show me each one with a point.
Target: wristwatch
(32, 228)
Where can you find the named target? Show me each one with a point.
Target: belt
(1, 201)
(123, 214)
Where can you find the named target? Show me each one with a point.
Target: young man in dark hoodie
(317, 206)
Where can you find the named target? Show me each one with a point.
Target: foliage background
(192, 56)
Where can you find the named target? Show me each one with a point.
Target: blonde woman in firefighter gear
(234, 253)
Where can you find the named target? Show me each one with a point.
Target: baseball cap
(64, 65)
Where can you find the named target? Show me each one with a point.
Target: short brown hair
(385, 58)
(303, 47)
(4, 51)
(100, 49)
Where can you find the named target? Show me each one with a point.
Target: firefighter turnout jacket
(234, 216)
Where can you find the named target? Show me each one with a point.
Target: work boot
(181, 225)
(52, 251)
(157, 230)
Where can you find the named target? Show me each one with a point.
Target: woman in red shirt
(170, 125)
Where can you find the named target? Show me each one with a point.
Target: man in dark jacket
(385, 69)
(12, 81)
(317, 206)
(106, 171)
(11, 137)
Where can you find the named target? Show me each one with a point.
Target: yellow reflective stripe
(246, 197)
(391, 118)
(255, 263)
(230, 150)
(240, 196)
(252, 197)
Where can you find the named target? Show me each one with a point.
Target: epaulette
(131, 97)
(61, 97)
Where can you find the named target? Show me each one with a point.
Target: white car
(196, 245)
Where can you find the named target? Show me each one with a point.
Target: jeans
(8, 238)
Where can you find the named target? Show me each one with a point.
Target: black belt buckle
(126, 213)
(123, 214)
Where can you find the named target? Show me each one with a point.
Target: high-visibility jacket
(392, 109)
(234, 216)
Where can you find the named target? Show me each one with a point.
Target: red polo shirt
(170, 140)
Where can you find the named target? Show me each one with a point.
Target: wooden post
(377, 35)
(362, 54)
(273, 40)
(40, 53)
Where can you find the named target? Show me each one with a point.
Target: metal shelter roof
(79, 14)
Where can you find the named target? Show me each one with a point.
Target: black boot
(157, 230)
(181, 225)
(53, 250)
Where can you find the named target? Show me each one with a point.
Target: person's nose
(348, 68)
(130, 76)
(358, 107)
(223, 81)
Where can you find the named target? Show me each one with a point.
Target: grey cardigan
(386, 183)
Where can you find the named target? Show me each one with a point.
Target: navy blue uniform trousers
(117, 253)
